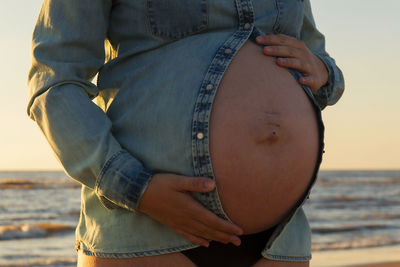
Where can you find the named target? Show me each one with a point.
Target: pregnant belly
(263, 140)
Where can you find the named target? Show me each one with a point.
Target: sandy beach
(387, 256)
(389, 264)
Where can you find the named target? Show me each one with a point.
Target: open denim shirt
(162, 57)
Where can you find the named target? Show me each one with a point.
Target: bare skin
(275, 136)
(264, 121)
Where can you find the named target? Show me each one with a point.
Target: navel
(269, 135)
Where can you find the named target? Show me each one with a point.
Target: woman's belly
(263, 140)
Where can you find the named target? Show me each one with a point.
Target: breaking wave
(10, 232)
(365, 242)
(37, 184)
(44, 263)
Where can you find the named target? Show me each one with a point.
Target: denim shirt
(156, 61)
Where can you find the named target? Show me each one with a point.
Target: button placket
(200, 137)
(246, 15)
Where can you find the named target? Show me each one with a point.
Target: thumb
(196, 184)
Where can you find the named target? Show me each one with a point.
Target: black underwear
(219, 254)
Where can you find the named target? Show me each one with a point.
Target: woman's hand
(167, 200)
(293, 53)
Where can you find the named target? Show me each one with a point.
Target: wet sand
(387, 256)
(393, 264)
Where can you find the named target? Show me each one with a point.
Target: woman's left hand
(294, 54)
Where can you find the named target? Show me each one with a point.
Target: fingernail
(239, 231)
(209, 184)
(236, 241)
(259, 38)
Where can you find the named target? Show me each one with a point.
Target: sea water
(39, 212)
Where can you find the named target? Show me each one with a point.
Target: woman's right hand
(167, 200)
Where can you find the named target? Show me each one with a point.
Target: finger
(207, 217)
(279, 39)
(194, 239)
(196, 184)
(201, 214)
(294, 63)
(204, 231)
(282, 51)
(309, 81)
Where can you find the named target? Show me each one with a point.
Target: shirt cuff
(122, 182)
(331, 92)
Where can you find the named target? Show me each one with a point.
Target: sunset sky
(362, 129)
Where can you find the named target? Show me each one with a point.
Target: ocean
(39, 212)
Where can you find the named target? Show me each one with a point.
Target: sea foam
(10, 232)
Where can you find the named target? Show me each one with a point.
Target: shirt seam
(142, 253)
(105, 168)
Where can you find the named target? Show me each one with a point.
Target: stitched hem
(136, 254)
(122, 181)
(286, 258)
(332, 91)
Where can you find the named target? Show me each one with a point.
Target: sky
(362, 129)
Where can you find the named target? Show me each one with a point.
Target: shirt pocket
(176, 19)
(290, 18)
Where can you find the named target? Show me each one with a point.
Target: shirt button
(209, 86)
(200, 136)
(228, 51)
(247, 26)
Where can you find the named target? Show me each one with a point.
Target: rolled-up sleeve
(331, 92)
(67, 52)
